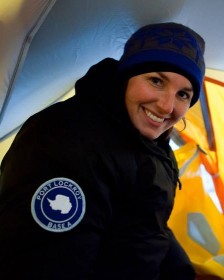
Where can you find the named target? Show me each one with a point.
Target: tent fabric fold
(20, 20)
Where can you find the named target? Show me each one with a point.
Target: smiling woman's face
(156, 101)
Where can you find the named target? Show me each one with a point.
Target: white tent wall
(19, 21)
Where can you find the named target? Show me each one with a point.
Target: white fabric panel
(19, 21)
(206, 17)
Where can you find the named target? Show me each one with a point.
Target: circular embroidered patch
(58, 205)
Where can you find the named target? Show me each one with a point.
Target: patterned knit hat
(170, 47)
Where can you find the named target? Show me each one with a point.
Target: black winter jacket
(83, 156)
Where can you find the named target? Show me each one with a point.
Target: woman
(98, 170)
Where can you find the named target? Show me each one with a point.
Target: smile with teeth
(153, 117)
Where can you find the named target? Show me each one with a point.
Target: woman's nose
(166, 103)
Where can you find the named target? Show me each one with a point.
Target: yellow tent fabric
(195, 220)
(215, 97)
(196, 133)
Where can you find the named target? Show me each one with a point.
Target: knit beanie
(165, 47)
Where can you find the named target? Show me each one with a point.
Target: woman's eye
(156, 81)
(184, 95)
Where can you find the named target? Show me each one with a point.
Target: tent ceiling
(65, 37)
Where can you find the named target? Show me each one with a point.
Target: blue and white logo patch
(58, 205)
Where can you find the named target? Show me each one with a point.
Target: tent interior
(47, 45)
